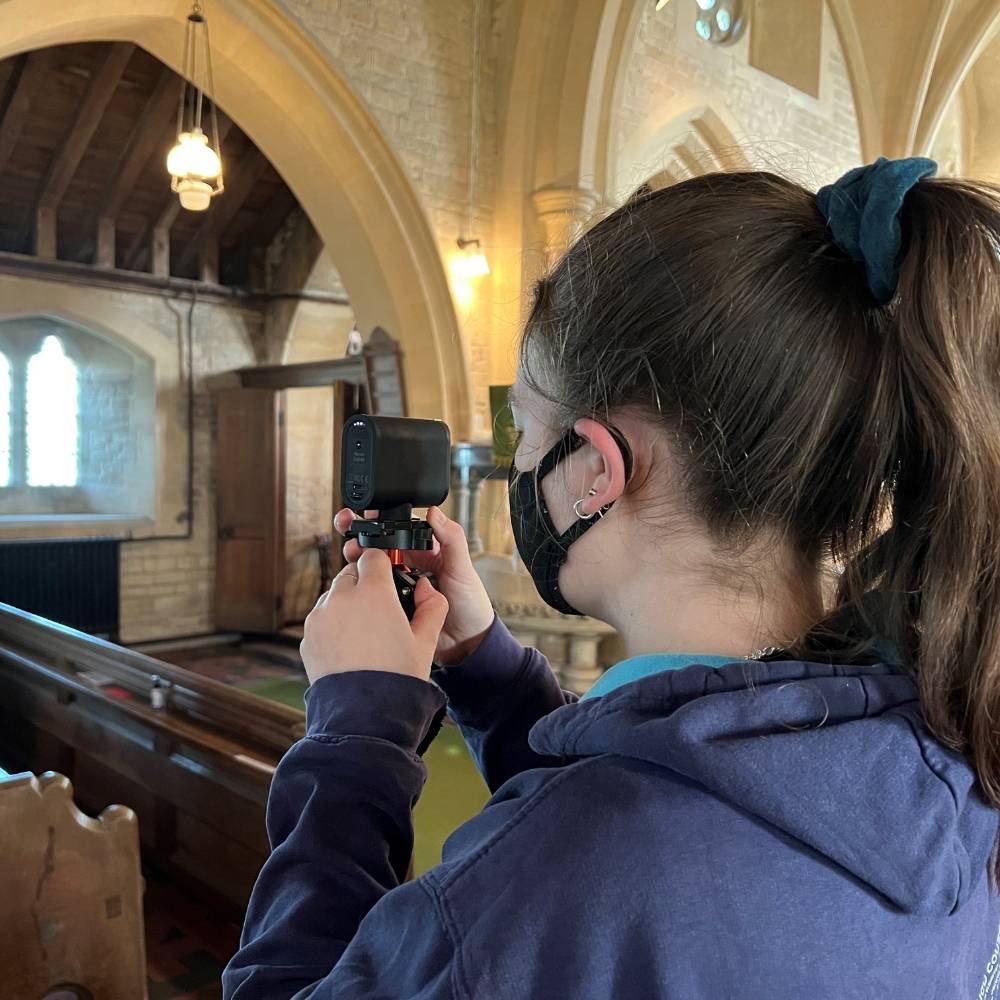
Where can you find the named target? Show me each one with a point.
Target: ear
(605, 472)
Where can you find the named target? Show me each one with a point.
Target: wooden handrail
(32, 642)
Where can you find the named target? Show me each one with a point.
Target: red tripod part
(396, 557)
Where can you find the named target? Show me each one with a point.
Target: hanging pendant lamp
(195, 162)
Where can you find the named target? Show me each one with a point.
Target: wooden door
(250, 510)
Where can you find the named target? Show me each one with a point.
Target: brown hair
(864, 434)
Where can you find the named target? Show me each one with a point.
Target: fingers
(448, 532)
(345, 516)
(343, 519)
(374, 568)
(431, 609)
(454, 548)
(347, 576)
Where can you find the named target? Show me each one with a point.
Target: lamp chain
(473, 155)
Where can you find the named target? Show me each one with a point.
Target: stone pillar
(554, 647)
(583, 666)
(471, 465)
(564, 213)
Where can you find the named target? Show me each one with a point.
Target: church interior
(227, 227)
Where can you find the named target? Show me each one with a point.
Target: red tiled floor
(186, 945)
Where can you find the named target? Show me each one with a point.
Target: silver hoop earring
(576, 507)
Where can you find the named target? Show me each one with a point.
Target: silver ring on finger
(349, 572)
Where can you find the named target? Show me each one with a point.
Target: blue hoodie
(781, 831)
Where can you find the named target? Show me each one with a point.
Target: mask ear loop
(625, 450)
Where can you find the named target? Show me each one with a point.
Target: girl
(724, 388)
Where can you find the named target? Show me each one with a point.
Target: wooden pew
(196, 772)
(72, 894)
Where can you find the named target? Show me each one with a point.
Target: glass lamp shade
(470, 263)
(192, 157)
(195, 195)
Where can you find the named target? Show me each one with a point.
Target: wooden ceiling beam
(13, 83)
(157, 230)
(240, 181)
(18, 105)
(63, 166)
(272, 218)
(153, 132)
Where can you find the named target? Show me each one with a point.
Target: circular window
(719, 21)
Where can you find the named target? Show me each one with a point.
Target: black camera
(391, 465)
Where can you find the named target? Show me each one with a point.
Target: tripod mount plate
(408, 535)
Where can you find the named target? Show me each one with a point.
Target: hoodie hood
(835, 756)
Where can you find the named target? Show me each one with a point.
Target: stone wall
(410, 62)
(167, 583)
(107, 448)
(672, 71)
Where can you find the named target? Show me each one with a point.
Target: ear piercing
(579, 514)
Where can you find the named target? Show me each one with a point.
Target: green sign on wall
(504, 441)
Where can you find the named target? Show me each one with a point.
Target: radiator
(73, 582)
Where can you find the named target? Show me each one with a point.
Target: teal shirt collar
(636, 667)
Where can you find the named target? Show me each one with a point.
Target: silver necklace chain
(758, 654)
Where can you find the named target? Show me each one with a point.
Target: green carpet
(454, 791)
(287, 692)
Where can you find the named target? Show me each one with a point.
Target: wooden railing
(50, 647)
(196, 771)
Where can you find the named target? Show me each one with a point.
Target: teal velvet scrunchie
(863, 209)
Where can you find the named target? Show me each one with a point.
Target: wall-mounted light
(195, 162)
(719, 21)
(470, 261)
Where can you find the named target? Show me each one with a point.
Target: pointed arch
(330, 150)
(694, 141)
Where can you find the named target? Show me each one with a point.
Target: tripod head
(395, 530)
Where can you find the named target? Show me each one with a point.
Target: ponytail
(938, 564)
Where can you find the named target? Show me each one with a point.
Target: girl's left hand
(359, 624)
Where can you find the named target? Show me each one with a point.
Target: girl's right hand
(470, 613)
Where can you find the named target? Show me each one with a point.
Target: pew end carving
(74, 888)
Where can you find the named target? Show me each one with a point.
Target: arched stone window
(77, 423)
(52, 412)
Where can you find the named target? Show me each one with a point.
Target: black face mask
(543, 551)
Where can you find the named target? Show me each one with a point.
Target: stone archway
(277, 84)
(690, 142)
(562, 64)
(901, 102)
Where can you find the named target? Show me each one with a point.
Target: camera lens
(357, 446)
